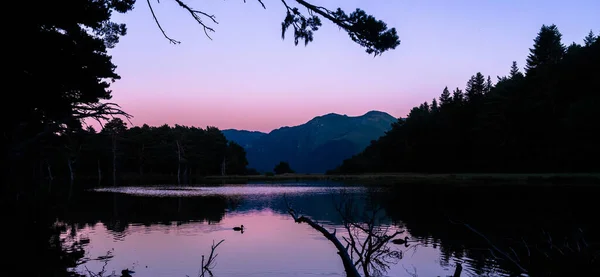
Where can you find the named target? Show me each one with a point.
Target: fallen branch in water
(366, 240)
(210, 262)
(372, 254)
(351, 271)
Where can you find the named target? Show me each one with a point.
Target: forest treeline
(179, 152)
(543, 120)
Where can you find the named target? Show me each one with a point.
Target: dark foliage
(282, 168)
(63, 72)
(544, 231)
(153, 151)
(364, 29)
(544, 121)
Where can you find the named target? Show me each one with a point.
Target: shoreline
(406, 178)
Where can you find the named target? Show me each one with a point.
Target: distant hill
(316, 146)
(243, 137)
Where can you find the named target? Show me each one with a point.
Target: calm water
(165, 230)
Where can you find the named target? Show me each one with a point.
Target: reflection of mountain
(509, 217)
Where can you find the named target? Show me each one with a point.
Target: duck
(241, 228)
(400, 241)
(127, 273)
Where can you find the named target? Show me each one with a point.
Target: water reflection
(168, 234)
(229, 190)
(504, 230)
(168, 229)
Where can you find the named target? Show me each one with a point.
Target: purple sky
(248, 78)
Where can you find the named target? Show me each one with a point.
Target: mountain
(316, 146)
(243, 137)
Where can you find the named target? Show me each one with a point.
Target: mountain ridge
(316, 146)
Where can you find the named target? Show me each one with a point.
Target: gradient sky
(248, 78)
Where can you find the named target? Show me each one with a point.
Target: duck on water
(400, 241)
(241, 228)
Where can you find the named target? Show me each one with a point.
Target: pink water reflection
(272, 245)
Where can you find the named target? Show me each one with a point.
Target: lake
(165, 230)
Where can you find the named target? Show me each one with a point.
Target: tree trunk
(178, 173)
(142, 162)
(186, 179)
(50, 177)
(458, 270)
(99, 173)
(178, 162)
(70, 164)
(114, 161)
(71, 176)
(223, 167)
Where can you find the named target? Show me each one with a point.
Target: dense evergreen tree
(547, 48)
(445, 98)
(458, 97)
(514, 71)
(488, 85)
(475, 88)
(590, 39)
(543, 121)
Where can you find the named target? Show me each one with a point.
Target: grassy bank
(462, 179)
(415, 178)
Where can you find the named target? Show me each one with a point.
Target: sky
(247, 77)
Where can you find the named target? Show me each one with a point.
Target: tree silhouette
(514, 71)
(445, 98)
(537, 122)
(547, 48)
(589, 39)
(282, 168)
(476, 87)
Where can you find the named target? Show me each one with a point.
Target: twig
(506, 255)
(159, 26)
(196, 14)
(414, 273)
(261, 3)
(210, 262)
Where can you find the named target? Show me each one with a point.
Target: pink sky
(248, 78)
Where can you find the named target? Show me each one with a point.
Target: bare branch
(504, 254)
(261, 3)
(367, 243)
(348, 264)
(210, 262)
(197, 15)
(159, 26)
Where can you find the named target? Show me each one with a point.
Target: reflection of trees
(538, 228)
(33, 245)
(118, 211)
